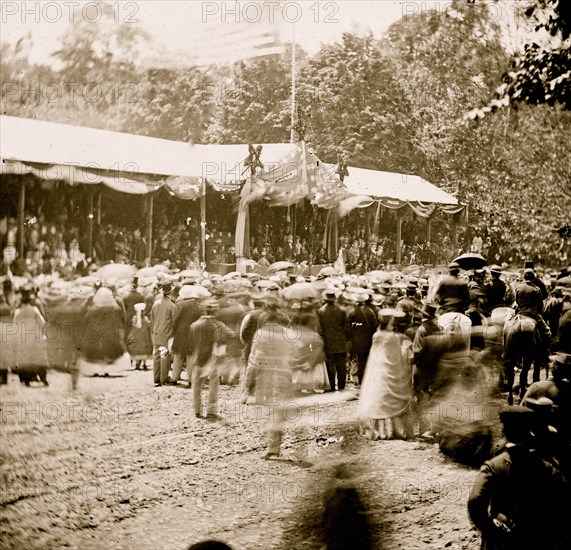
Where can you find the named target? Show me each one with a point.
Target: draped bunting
(420, 209)
(76, 176)
(331, 235)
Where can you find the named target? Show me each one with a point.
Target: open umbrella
(471, 260)
(327, 271)
(117, 271)
(300, 291)
(279, 266)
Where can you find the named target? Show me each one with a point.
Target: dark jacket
(518, 488)
(528, 298)
(187, 313)
(103, 334)
(163, 315)
(453, 294)
(495, 292)
(334, 328)
(129, 302)
(248, 331)
(362, 326)
(204, 334)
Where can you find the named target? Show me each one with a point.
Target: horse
(521, 345)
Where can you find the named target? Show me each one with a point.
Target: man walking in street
(207, 339)
(163, 314)
(334, 327)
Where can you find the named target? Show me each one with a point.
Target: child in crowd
(139, 344)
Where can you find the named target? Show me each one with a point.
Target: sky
(174, 23)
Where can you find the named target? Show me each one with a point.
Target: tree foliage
(396, 104)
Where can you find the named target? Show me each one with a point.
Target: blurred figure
(31, 351)
(386, 401)
(188, 312)
(248, 330)
(514, 501)
(557, 389)
(207, 335)
(103, 335)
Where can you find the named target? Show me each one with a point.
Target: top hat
(528, 265)
(135, 281)
(429, 311)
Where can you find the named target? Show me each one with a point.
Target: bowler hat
(166, 288)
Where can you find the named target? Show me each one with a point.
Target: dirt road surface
(122, 464)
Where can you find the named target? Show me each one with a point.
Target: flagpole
(292, 138)
(292, 134)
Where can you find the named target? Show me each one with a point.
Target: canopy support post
(398, 255)
(90, 217)
(203, 224)
(150, 201)
(455, 234)
(428, 230)
(21, 216)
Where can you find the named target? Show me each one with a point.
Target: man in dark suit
(163, 314)
(495, 290)
(333, 320)
(514, 500)
(453, 293)
(207, 334)
(362, 325)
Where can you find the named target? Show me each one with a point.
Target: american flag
(250, 30)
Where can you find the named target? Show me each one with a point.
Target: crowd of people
(293, 337)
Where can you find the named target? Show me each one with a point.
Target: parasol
(327, 271)
(280, 266)
(471, 260)
(190, 273)
(300, 291)
(117, 271)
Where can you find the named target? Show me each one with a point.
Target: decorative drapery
(119, 181)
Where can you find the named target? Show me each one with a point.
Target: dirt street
(122, 464)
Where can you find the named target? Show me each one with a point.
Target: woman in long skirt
(386, 405)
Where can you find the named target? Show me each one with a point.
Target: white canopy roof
(89, 155)
(390, 185)
(37, 141)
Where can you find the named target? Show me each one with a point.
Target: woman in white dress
(386, 402)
